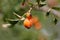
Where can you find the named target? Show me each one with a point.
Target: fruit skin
(27, 23)
(36, 23)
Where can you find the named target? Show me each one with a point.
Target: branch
(20, 17)
(46, 8)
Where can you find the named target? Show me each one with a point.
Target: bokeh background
(49, 30)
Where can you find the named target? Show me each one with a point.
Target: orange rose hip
(27, 23)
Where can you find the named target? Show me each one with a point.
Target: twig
(17, 15)
(46, 8)
(20, 17)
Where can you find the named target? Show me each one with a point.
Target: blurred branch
(20, 17)
(46, 8)
(17, 15)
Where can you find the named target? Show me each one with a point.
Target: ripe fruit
(37, 26)
(27, 23)
(36, 23)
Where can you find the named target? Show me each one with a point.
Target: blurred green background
(49, 30)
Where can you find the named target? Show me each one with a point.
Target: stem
(20, 17)
(17, 15)
(46, 8)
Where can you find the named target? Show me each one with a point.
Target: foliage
(17, 31)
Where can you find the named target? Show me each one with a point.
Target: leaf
(55, 21)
